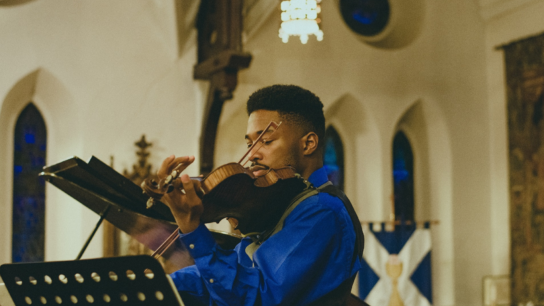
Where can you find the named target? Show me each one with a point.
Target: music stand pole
(102, 216)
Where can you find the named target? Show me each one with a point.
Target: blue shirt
(312, 255)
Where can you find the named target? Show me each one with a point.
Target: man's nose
(255, 156)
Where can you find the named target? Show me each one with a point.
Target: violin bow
(255, 147)
(257, 144)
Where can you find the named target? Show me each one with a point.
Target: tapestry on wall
(525, 106)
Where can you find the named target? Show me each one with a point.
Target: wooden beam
(226, 60)
(220, 57)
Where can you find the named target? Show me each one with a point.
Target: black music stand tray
(120, 281)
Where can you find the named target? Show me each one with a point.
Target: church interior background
(90, 77)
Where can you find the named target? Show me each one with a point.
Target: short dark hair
(294, 104)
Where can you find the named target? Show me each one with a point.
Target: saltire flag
(396, 265)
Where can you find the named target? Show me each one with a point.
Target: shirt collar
(319, 177)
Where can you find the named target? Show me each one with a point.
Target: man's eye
(266, 141)
(249, 145)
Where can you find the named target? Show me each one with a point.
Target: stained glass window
(365, 17)
(28, 188)
(333, 159)
(403, 177)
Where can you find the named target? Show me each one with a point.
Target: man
(313, 259)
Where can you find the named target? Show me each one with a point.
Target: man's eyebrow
(259, 133)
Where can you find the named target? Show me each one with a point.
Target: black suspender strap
(359, 238)
(341, 295)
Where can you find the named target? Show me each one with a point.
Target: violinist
(313, 258)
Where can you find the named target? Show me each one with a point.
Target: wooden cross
(220, 56)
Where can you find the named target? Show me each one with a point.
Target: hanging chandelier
(300, 18)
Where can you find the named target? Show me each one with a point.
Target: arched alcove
(413, 126)
(60, 114)
(357, 128)
(28, 228)
(403, 177)
(423, 125)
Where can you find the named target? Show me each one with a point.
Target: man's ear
(309, 143)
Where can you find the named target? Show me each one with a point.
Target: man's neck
(311, 168)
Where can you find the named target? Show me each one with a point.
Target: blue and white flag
(396, 266)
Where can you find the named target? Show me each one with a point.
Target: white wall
(104, 72)
(107, 73)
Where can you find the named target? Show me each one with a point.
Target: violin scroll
(157, 189)
(154, 190)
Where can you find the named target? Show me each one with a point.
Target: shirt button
(192, 246)
(211, 280)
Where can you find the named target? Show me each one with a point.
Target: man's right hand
(185, 206)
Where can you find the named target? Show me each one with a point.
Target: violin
(232, 191)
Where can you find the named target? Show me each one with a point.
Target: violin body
(232, 191)
(256, 202)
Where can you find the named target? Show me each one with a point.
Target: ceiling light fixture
(300, 18)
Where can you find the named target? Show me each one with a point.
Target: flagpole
(392, 215)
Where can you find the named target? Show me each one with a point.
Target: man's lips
(256, 168)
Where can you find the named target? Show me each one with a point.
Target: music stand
(120, 281)
(121, 202)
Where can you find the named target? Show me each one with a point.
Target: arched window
(403, 177)
(365, 17)
(28, 189)
(333, 159)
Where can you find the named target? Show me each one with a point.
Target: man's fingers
(192, 198)
(164, 166)
(181, 163)
(171, 162)
(176, 201)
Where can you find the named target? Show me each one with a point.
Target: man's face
(279, 149)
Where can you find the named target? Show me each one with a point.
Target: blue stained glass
(403, 177)
(29, 189)
(330, 153)
(30, 138)
(400, 175)
(365, 17)
(333, 159)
